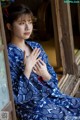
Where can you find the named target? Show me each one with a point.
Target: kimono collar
(30, 43)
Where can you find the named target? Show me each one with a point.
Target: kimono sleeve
(53, 81)
(19, 83)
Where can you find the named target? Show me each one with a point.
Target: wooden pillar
(78, 6)
(65, 35)
(57, 31)
(10, 105)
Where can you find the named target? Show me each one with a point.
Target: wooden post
(65, 36)
(10, 107)
(78, 6)
(57, 31)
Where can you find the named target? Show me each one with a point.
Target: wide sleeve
(20, 83)
(53, 81)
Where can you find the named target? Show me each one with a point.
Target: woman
(34, 81)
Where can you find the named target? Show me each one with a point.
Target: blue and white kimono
(34, 98)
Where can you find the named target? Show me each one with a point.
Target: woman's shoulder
(34, 44)
(9, 48)
(13, 50)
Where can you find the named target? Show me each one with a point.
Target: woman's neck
(19, 43)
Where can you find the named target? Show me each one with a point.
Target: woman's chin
(27, 37)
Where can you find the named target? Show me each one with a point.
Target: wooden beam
(78, 6)
(65, 36)
(57, 31)
(67, 39)
(7, 63)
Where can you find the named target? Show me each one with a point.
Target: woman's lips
(27, 33)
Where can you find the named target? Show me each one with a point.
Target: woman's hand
(30, 61)
(41, 70)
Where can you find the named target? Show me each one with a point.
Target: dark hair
(14, 11)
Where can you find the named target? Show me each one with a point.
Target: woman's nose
(26, 26)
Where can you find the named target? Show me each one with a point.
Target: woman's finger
(34, 70)
(42, 62)
(37, 67)
(39, 64)
(36, 52)
(33, 52)
(38, 59)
